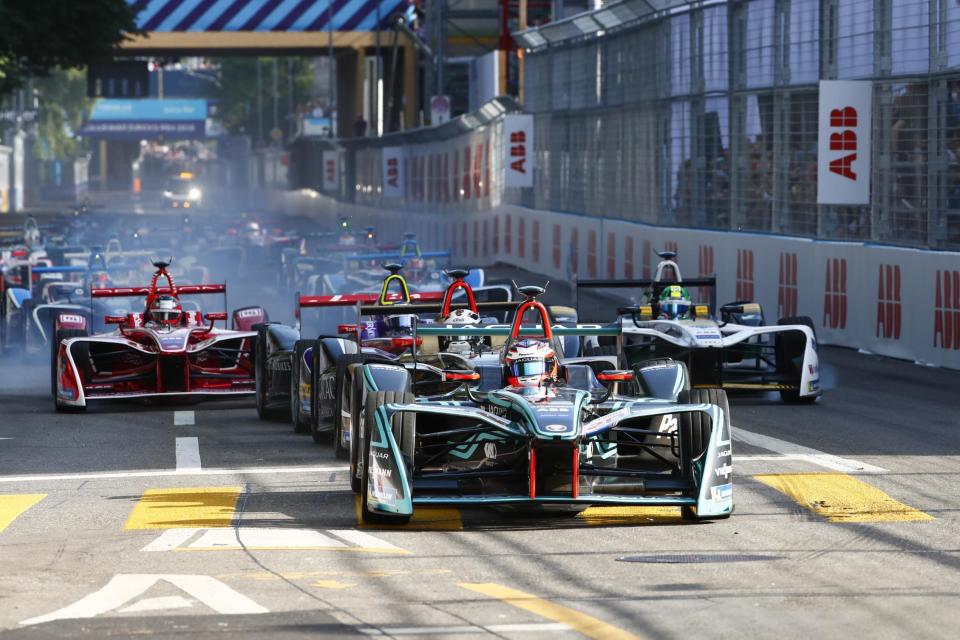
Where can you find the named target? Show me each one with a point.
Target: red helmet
(166, 310)
(530, 362)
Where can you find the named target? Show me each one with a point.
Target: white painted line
(365, 540)
(531, 627)
(157, 604)
(170, 539)
(123, 588)
(188, 454)
(264, 538)
(183, 418)
(800, 452)
(162, 474)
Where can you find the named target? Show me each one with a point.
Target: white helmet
(458, 318)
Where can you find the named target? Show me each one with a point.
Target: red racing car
(169, 350)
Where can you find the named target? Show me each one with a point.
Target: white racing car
(734, 349)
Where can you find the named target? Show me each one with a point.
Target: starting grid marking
(270, 539)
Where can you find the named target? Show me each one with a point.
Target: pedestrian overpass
(354, 29)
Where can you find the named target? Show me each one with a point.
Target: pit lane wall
(897, 302)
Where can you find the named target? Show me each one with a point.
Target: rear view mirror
(615, 375)
(459, 376)
(115, 319)
(216, 315)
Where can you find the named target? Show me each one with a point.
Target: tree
(237, 92)
(37, 36)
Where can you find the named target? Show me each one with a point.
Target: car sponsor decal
(722, 492)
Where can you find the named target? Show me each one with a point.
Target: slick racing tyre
(343, 390)
(695, 431)
(260, 376)
(404, 432)
(301, 423)
(789, 349)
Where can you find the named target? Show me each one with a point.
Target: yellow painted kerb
(202, 507)
(587, 625)
(11, 506)
(841, 498)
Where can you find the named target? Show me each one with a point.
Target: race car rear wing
(399, 256)
(656, 286)
(133, 292)
(351, 299)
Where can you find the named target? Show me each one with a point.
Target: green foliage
(37, 36)
(237, 93)
(63, 106)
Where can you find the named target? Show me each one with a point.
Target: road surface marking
(268, 539)
(184, 507)
(628, 515)
(157, 604)
(183, 418)
(164, 474)
(12, 506)
(799, 452)
(123, 588)
(841, 498)
(424, 519)
(332, 584)
(587, 625)
(188, 454)
(365, 540)
(531, 627)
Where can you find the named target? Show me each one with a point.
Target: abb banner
(331, 170)
(393, 172)
(518, 150)
(843, 145)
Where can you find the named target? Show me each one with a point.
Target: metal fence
(704, 114)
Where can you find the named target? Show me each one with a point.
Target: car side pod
(390, 479)
(715, 498)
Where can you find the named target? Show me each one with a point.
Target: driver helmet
(166, 311)
(530, 362)
(675, 303)
(457, 318)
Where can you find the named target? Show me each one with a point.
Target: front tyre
(404, 432)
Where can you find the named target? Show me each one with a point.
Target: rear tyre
(789, 354)
(343, 390)
(260, 376)
(300, 422)
(404, 432)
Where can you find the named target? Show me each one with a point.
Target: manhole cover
(696, 558)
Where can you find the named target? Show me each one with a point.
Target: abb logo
(486, 238)
(557, 252)
(521, 237)
(844, 141)
(946, 318)
(647, 257)
(788, 290)
(496, 235)
(628, 259)
(535, 242)
(463, 240)
(476, 238)
(331, 170)
(465, 190)
(518, 151)
(611, 256)
(592, 254)
(393, 172)
(670, 245)
(835, 294)
(454, 175)
(574, 260)
(889, 308)
(704, 269)
(744, 274)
